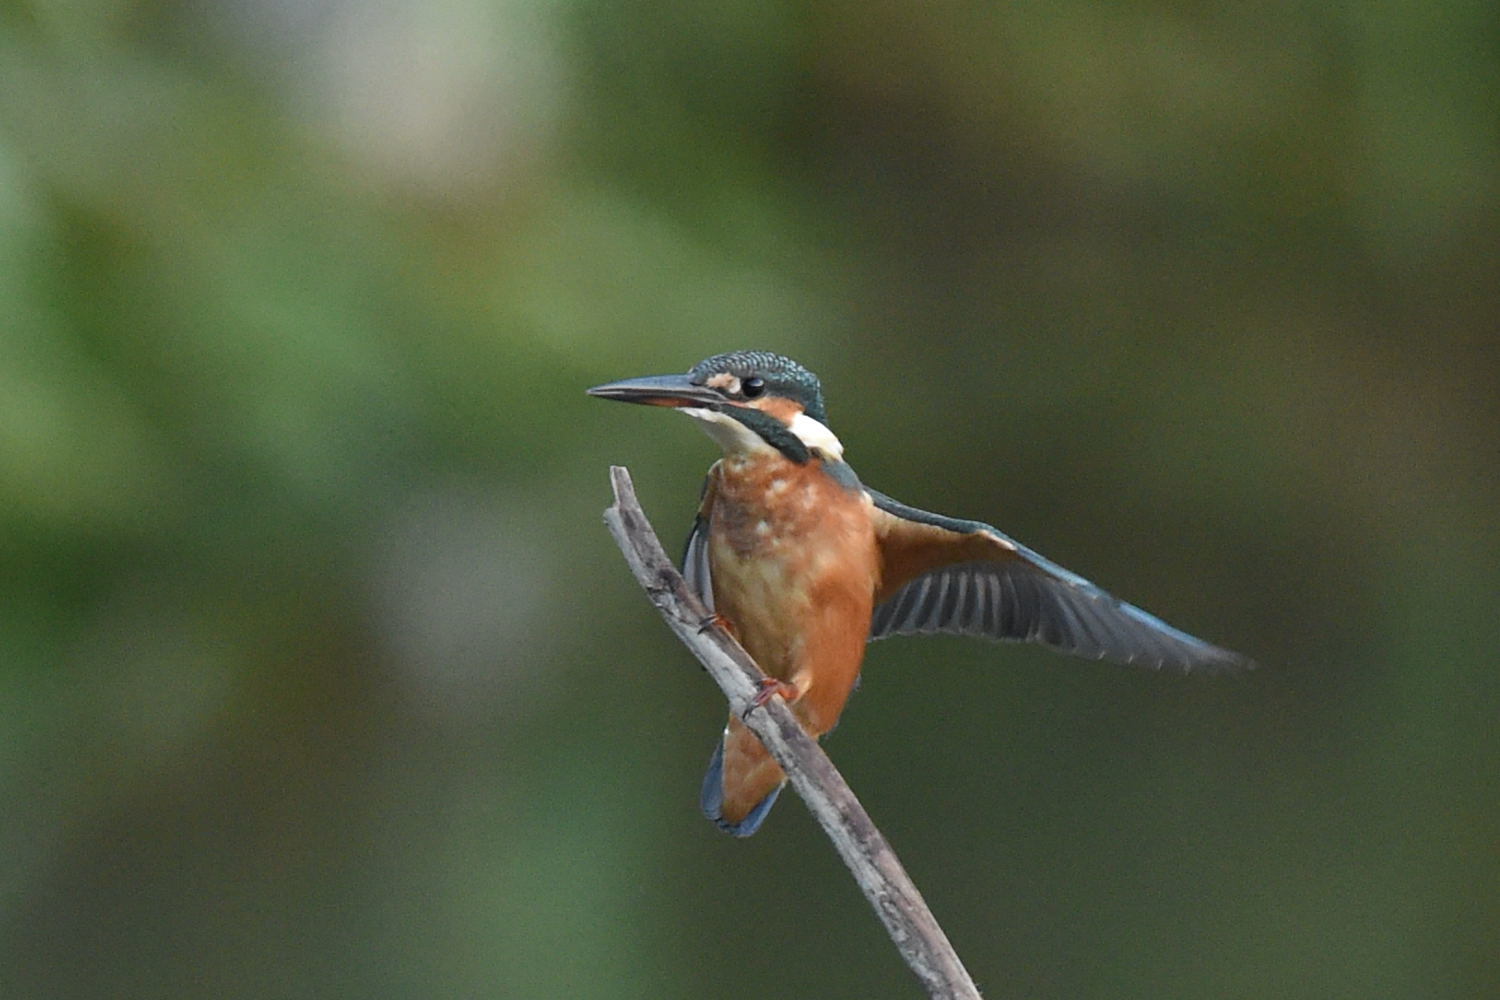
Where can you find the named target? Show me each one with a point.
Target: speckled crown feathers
(782, 375)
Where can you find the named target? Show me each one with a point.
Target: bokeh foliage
(319, 675)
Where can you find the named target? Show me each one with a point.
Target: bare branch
(875, 866)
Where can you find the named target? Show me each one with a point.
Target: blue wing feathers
(695, 571)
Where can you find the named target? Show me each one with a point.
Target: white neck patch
(816, 436)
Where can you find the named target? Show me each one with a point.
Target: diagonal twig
(864, 849)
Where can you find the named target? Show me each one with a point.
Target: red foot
(716, 620)
(768, 688)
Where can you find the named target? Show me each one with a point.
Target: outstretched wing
(941, 574)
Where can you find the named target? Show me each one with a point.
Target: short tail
(739, 804)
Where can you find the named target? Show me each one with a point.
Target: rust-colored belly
(794, 566)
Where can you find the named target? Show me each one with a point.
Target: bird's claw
(768, 688)
(714, 620)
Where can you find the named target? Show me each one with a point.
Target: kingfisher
(805, 565)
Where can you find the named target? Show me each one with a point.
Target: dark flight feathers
(1012, 593)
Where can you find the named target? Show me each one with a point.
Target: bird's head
(747, 401)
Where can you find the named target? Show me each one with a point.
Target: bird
(805, 565)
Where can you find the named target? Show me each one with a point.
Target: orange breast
(794, 565)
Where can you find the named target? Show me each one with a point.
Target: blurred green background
(320, 676)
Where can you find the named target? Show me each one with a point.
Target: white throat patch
(734, 437)
(737, 439)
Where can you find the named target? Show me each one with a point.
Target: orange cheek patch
(781, 408)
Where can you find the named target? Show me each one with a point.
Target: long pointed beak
(658, 390)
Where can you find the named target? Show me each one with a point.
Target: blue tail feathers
(711, 800)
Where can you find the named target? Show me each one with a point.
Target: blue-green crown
(782, 375)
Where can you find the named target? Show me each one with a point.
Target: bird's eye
(752, 386)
